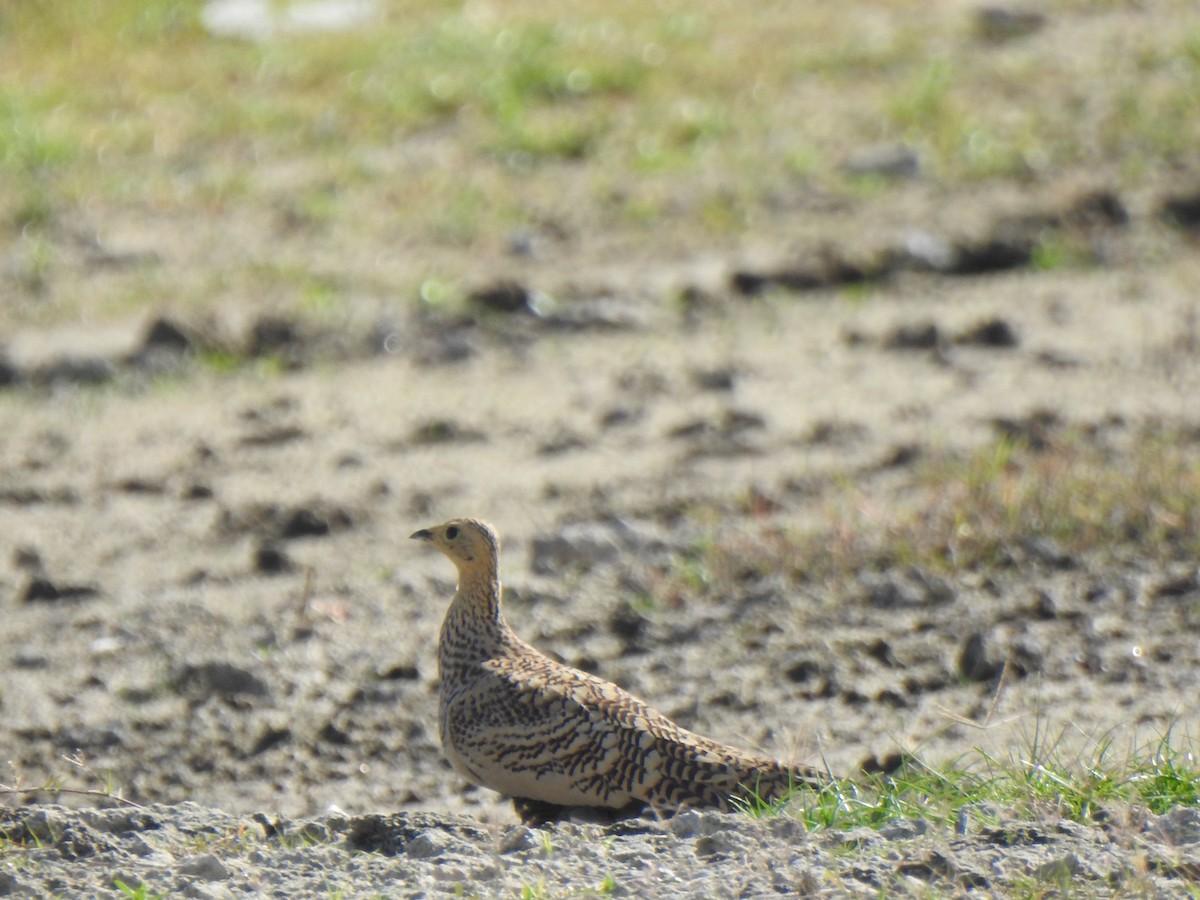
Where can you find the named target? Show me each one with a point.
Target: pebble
(585, 545)
(207, 867)
(696, 853)
(427, 845)
(1179, 826)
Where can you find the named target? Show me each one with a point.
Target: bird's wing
(535, 728)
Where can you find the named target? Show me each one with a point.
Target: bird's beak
(423, 535)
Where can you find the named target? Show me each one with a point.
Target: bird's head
(470, 544)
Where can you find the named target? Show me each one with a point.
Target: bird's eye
(452, 532)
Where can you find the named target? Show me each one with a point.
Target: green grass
(451, 125)
(1046, 779)
(137, 892)
(1082, 492)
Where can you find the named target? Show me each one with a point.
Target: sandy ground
(157, 503)
(209, 594)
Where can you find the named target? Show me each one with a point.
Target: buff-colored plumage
(553, 737)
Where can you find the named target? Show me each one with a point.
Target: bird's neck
(474, 626)
(478, 596)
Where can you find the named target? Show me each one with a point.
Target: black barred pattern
(516, 721)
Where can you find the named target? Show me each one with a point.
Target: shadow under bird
(557, 739)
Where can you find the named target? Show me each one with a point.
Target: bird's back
(525, 725)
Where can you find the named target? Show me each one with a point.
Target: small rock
(272, 436)
(1036, 430)
(119, 820)
(836, 433)
(137, 485)
(749, 284)
(589, 544)
(1182, 211)
(401, 672)
(627, 623)
(206, 867)
(992, 255)
(904, 829)
(201, 681)
(696, 823)
(9, 373)
(936, 590)
(94, 739)
(802, 671)
(882, 651)
(899, 456)
(197, 491)
(795, 278)
(27, 659)
(269, 559)
(517, 839)
(890, 593)
(735, 421)
(313, 522)
(43, 590)
(589, 313)
(1047, 552)
(919, 336)
(26, 558)
(332, 734)
(1045, 606)
(303, 523)
(975, 662)
(197, 890)
(270, 737)
(582, 545)
(716, 844)
(929, 867)
(886, 160)
(444, 431)
(77, 370)
(1099, 208)
(163, 334)
(427, 845)
(852, 839)
(1179, 586)
(1179, 826)
(913, 589)
(522, 243)
(619, 415)
(887, 766)
(457, 875)
(926, 250)
(441, 346)
(315, 832)
(561, 442)
(161, 348)
(271, 334)
(1002, 23)
(992, 333)
(501, 297)
(1060, 870)
(719, 379)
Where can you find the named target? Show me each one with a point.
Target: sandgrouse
(554, 738)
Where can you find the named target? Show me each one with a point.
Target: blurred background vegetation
(205, 160)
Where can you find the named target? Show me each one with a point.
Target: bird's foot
(535, 813)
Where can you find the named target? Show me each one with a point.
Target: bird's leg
(538, 812)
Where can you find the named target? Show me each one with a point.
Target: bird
(557, 740)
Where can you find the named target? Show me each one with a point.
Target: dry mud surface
(209, 596)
